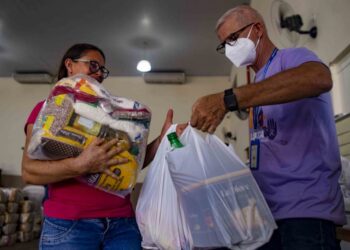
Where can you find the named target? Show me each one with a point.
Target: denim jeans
(90, 234)
(303, 234)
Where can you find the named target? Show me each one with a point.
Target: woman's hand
(153, 146)
(99, 156)
(168, 122)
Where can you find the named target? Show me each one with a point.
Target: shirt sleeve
(295, 57)
(33, 115)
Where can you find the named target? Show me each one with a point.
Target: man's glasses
(231, 39)
(94, 67)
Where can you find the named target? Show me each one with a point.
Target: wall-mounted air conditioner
(164, 77)
(33, 77)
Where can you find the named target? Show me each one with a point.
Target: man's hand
(99, 156)
(208, 112)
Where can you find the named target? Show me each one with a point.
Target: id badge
(254, 154)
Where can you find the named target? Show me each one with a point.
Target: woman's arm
(97, 157)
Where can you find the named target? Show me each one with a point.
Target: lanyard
(256, 130)
(274, 52)
(253, 111)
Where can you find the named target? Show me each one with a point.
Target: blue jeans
(303, 234)
(90, 234)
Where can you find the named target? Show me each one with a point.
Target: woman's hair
(75, 52)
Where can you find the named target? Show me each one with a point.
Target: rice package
(78, 110)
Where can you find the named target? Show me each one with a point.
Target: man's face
(229, 27)
(227, 37)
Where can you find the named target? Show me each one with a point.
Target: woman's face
(87, 64)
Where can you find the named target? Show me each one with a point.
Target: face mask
(243, 52)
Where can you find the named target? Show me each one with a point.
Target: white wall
(340, 69)
(332, 20)
(17, 100)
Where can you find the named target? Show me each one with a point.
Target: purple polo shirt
(299, 164)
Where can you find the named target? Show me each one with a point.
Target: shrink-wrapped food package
(80, 109)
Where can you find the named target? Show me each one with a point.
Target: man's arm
(307, 80)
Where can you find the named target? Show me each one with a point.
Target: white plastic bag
(158, 214)
(222, 203)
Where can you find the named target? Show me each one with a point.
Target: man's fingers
(205, 127)
(180, 128)
(200, 123)
(194, 119)
(212, 129)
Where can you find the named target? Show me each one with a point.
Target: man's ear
(69, 65)
(259, 29)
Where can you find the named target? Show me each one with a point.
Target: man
(293, 145)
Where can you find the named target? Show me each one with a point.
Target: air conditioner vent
(164, 77)
(33, 77)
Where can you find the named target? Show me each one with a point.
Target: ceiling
(179, 34)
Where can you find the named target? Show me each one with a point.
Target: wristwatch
(230, 100)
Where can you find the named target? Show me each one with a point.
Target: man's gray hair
(243, 14)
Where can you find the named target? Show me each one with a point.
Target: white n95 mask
(243, 52)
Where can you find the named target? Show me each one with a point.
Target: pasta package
(78, 110)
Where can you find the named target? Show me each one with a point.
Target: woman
(78, 216)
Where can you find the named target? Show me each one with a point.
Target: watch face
(230, 100)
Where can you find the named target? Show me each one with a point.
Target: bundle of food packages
(78, 110)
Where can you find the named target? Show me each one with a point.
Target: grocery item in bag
(222, 203)
(159, 216)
